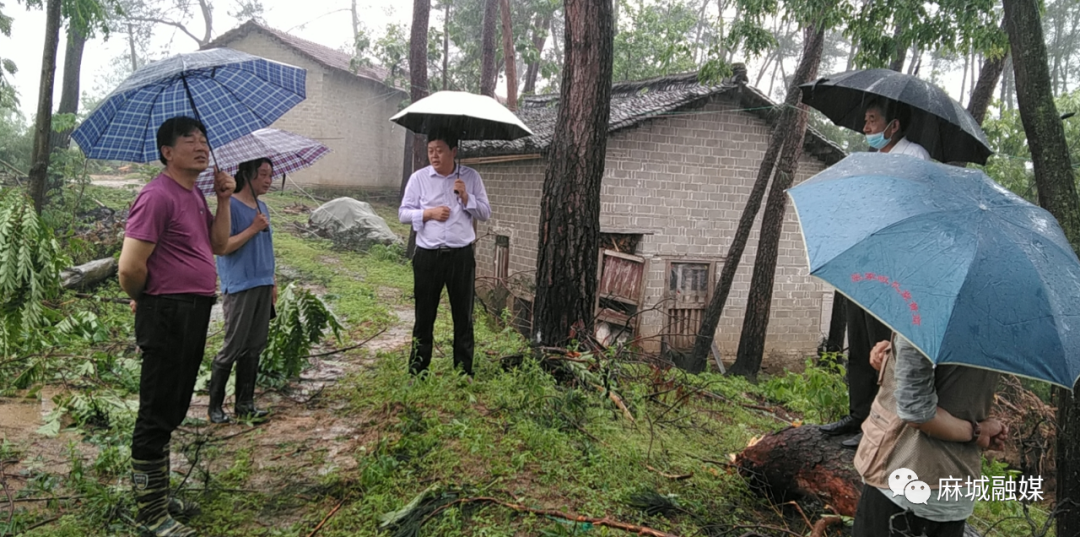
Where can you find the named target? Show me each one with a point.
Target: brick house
(681, 160)
(348, 110)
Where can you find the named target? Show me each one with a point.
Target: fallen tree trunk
(797, 463)
(801, 463)
(87, 274)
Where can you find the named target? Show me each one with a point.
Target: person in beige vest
(933, 422)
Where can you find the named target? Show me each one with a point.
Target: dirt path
(305, 439)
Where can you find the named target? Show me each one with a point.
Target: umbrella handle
(191, 101)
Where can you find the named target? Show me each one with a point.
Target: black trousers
(171, 332)
(863, 332)
(455, 269)
(878, 516)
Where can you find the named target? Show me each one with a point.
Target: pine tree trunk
(39, 159)
(418, 75)
(984, 88)
(488, 75)
(759, 302)
(566, 262)
(355, 21)
(509, 57)
(711, 317)
(1057, 193)
(446, 49)
(539, 40)
(416, 147)
(69, 87)
(131, 45)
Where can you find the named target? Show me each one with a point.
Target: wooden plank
(618, 298)
(628, 257)
(621, 277)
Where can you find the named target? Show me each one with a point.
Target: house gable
(347, 112)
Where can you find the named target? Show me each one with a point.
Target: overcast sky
(327, 22)
(315, 20)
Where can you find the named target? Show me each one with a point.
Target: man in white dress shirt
(886, 122)
(441, 202)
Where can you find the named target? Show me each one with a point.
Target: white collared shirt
(909, 148)
(427, 189)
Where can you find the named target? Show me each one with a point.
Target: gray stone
(351, 225)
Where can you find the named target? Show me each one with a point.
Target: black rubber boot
(151, 483)
(247, 371)
(219, 377)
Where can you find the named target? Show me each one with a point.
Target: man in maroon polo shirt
(167, 268)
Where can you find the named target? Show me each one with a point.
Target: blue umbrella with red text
(967, 271)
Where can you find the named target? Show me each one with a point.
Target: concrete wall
(682, 182)
(347, 113)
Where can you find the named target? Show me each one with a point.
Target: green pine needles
(301, 320)
(30, 264)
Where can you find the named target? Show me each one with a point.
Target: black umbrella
(938, 123)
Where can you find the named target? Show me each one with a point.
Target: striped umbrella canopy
(288, 152)
(233, 93)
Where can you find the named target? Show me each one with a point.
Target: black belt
(187, 298)
(445, 249)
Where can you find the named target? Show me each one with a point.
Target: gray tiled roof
(328, 57)
(635, 102)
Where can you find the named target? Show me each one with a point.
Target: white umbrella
(471, 117)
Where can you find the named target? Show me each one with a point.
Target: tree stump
(801, 462)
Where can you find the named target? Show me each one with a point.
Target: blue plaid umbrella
(967, 271)
(232, 92)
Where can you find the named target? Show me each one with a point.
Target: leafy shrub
(301, 319)
(30, 263)
(820, 393)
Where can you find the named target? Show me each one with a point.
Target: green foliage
(8, 98)
(301, 319)
(30, 263)
(392, 51)
(16, 140)
(1010, 165)
(880, 29)
(653, 40)
(819, 393)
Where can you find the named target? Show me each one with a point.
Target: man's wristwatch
(975, 431)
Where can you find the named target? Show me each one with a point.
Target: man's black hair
(172, 129)
(891, 110)
(250, 170)
(445, 135)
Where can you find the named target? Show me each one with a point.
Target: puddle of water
(27, 413)
(20, 414)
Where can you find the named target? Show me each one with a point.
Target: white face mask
(878, 140)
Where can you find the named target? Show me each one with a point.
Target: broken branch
(327, 517)
(676, 477)
(821, 525)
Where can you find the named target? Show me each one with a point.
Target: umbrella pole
(191, 101)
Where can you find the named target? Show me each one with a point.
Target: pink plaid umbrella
(288, 151)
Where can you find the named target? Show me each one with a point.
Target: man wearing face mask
(885, 124)
(884, 129)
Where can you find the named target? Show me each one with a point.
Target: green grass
(514, 434)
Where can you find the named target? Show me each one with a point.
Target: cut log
(88, 274)
(802, 463)
(798, 463)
